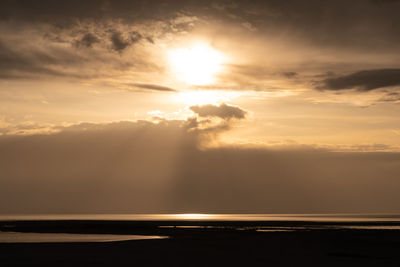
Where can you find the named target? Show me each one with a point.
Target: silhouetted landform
(210, 243)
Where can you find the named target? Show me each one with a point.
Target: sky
(199, 106)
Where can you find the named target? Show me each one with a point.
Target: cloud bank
(158, 167)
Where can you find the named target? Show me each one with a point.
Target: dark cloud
(150, 39)
(130, 167)
(289, 74)
(223, 111)
(154, 87)
(66, 12)
(87, 40)
(365, 80)
(120, 42)
(327, 23)
(391, 97)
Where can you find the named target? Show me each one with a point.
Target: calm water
(214, 217)
(16, 237)
(383, 222)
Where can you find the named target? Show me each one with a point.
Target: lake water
(16, 237)
(213, 217)
(344, 221)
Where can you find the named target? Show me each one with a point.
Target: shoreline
(205, 244)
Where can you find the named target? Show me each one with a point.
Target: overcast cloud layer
(110, 39)
(146, 167)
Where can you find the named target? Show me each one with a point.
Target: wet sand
(194, 243)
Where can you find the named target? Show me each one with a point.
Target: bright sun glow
(197, 65)
(194, 216)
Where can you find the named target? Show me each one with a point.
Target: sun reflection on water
(193, 216)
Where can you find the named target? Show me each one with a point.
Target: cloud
(332, 27)
(261, 77)
(147, 167)
(109, 26)
(43, 42)
(87, 40)
(40, 58)
(365, 80)
(289, 74)
(154, 87)
(15, 64)
(120, 42)
(222, 111)
(67, 12)
(391, 97)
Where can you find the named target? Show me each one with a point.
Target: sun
(196, 65)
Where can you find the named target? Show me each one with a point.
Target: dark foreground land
(213, 244)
